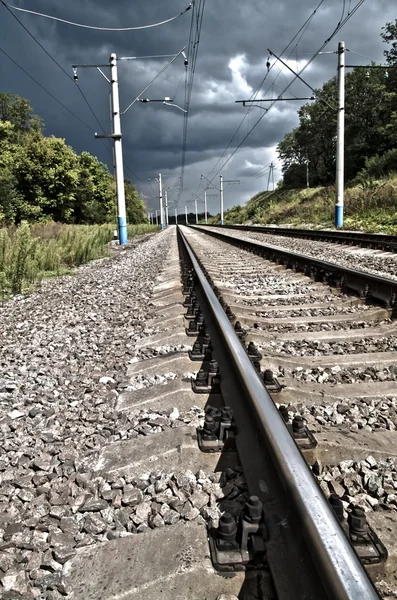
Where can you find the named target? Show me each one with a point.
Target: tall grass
(369, 204)
(30, 253)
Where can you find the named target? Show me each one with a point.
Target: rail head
(335, 560)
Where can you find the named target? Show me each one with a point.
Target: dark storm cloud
(231, 63)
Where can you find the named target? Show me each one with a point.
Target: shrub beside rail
(30, 253)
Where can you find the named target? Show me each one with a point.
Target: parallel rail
(365, 240)
(381, 289)
(308, 553)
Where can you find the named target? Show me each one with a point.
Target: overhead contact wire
(37, 14)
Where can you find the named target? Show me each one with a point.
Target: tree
(370, 124)
(314, 139)
(10, 199)
(295, 176)
(368, 118)
(135, 208)
(42, 178)
(48, 173)
(17, 110)
(390, 36)
(96, 192)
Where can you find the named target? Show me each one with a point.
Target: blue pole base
(221, 221)
(123, 232)
(338, 215)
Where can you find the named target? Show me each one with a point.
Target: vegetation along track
(144, 458)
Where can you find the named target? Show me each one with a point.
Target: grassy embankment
(369, 206)
(29, 254)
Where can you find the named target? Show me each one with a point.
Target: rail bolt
(226, 414)
(253, 510)
(253, 351)
(196, 349)
(283, 410)
(238, 328)
(213, 367)
(357, 521)
(268, 377)
(190, 310)
(192, 326)
(256, 363)
(206, 340)
(298, 425)
(227, 531)
(337, 505)
(201, 378)
(229, 312)
(208, 352)
(210, 428)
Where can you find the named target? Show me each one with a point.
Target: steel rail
(372, 240)
(335, 560)
(368, 285)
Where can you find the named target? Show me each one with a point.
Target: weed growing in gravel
(30, 253)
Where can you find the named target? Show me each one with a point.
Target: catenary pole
(166, 207)
(340, 137)
(161, 201)
(118, 152)
(176, 217)
(195, 207)
(221, 197)
(205, 207)
(268, 179)
(186, 215)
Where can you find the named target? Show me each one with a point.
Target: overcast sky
(231, 63)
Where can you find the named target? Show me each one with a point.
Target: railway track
(364, 240)
(289, 316)
(177, 477)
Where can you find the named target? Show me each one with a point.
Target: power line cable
(261, 172)
(359, 54)
(337, 29)
(193, 49)
(57, 64)
(300, 33)
(58, 101)
(190, 49)
(178, 86)
(32, 12)
(45, 90)
(72, 80)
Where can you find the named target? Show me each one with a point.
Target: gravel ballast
(329, 348)
(370, 484)
(64, 354)
(363, 413)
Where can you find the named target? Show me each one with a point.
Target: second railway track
(377, 241)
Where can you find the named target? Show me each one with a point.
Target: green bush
(379, 166)
(29, 253)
